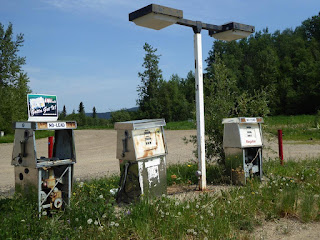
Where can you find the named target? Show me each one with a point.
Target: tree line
(284, 64)
(281, 67)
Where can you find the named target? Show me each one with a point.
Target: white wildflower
(190, 231)
(100, 228)
(89, 221)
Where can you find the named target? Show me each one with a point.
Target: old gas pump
(50, 179)
(141, 150)
(242, 144)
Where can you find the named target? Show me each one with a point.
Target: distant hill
(107, 115)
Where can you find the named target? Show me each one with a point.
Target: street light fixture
(157, 17)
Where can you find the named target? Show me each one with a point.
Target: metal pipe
(280, 142)
(200, 110)
(50, 147)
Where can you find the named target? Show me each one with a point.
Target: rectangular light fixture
(232, 31)
(155, 16)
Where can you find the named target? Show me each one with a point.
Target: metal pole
(200, 110)
(280, 146)
(50, 147)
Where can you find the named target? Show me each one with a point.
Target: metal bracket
(125, 143)
(23, 143)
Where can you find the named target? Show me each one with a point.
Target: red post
(280, 146)
(50, 147)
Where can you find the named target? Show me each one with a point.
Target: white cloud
(106, 7)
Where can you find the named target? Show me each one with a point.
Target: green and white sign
(42, 107)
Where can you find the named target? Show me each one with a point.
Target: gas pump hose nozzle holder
(256, 155)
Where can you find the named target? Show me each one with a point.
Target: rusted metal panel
(141, 150)
(140, 144)
(147, 177)
(148, 143)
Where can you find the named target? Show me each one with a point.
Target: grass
(110, 126)
(294, 128)
(290, 191)
(39, 134)
(181, 125)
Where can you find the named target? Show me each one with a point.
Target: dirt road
(96, 153)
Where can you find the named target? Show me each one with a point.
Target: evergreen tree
(63, 114)
(81, 108)
(94, 112)
(151, 78)
(82, 115)
(13, 81)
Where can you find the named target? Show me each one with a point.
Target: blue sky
(87, 50)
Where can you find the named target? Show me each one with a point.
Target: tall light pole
(158, 17)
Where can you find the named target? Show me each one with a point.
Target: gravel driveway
(96, 153)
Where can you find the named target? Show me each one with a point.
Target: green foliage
(85, 122)
(121, 116)
(63, 114)
(172, 100)
(224, 99)
(148, 91)
(286, 65)
(174, 104)
(13, 81)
